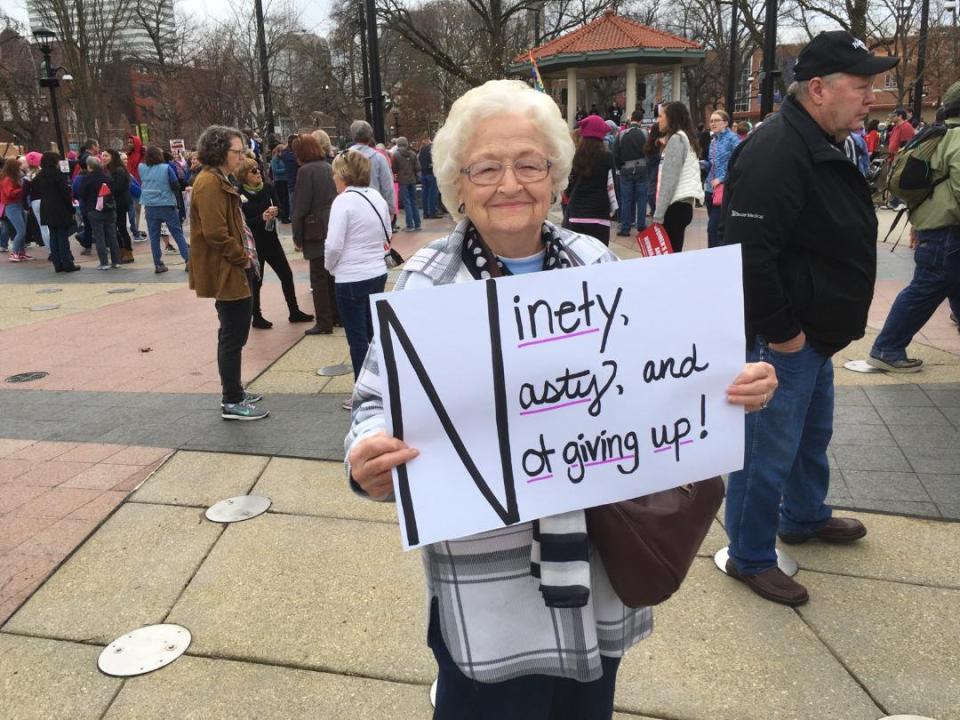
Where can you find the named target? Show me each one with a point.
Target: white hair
(800, 89)
(498, 97)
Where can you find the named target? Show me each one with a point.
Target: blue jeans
(133, 213)
(528, 697)
(431, 195)
(936, 277)
(353, 303)
(713, 221)
(410, 212)
(633, 200)
(785, 474)
(170, 216)
(17, 217)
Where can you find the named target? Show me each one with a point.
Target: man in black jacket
(803, 215)
(631, 163)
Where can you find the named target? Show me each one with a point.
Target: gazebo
(610, 46)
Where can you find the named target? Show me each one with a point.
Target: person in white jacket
(678, 185)
(358, 235)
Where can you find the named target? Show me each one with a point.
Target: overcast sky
(313, 12)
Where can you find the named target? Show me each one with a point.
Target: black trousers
(324, 295)
(600, 232)
(271, 253)
(234, 330)
(675, 222)
(123, 237)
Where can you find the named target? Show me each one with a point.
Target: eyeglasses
(254, 171)
(528, 169)
(238, 152)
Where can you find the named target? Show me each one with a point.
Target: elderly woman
(223, 262)
(722, 145)
(357, 237)
(501, 158)
(311, 214)
(97, 194)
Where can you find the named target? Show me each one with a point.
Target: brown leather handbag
(648, 544)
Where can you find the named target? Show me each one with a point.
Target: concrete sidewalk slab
(325, 594)
(201, 688)
(719, 652)
(308, 487)
(128, 574)
(930, 547)
(52, 680)
(912, 669)
(201, 479)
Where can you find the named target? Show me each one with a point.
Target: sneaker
(116, 266)
(260, 323)
(347, 404)
(15, 257)
(623, 233)
(160, 269)
(4, 249)
(139, 238)
(242, 411)
(142, 234)
(249, 398)
(908, 365)
(26, 256)
(103, 267)
(171, 250)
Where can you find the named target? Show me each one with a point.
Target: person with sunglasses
(260, 209)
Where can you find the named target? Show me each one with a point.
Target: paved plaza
(108, 462)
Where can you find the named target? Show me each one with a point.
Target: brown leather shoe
(837, 531)
(772, 584)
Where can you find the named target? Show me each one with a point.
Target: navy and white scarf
(560, 552)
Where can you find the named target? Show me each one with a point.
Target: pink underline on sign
(611, 460)
(682, 442)
(558, 337)
(542, 477)
(555, 407)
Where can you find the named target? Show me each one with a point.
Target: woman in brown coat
(221, 261)
(310, 214)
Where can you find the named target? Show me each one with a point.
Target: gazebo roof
(610, 39)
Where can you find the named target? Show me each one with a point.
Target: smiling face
(509, 213)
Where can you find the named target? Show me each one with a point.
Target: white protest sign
(537, 394)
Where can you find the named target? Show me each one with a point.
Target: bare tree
(22, 107)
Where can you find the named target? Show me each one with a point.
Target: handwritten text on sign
(538, 394)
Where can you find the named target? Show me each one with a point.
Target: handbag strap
(376, 212)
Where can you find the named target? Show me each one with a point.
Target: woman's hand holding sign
(372, 460)
(753, 387)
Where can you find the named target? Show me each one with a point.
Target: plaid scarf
(559, 553)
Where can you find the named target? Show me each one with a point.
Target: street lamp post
(731, 101)
(264, 70)
(50, 80)
(373, 65)
(769, 74)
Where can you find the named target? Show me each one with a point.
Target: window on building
(889, 81)
(744, 88)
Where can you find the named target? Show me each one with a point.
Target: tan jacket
(218, 256)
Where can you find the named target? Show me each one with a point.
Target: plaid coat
(492, 615)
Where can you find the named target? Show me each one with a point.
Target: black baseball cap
(839, 51)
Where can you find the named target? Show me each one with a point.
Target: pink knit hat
(33, 158)
(593, 126)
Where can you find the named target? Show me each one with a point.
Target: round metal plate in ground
(117, 291)
(786, 563)
(861, 366)
(48, 291)
(144, 650)
(26, 377)
(41, 308)
(433, 693)
(238, 509)
(334, 370)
